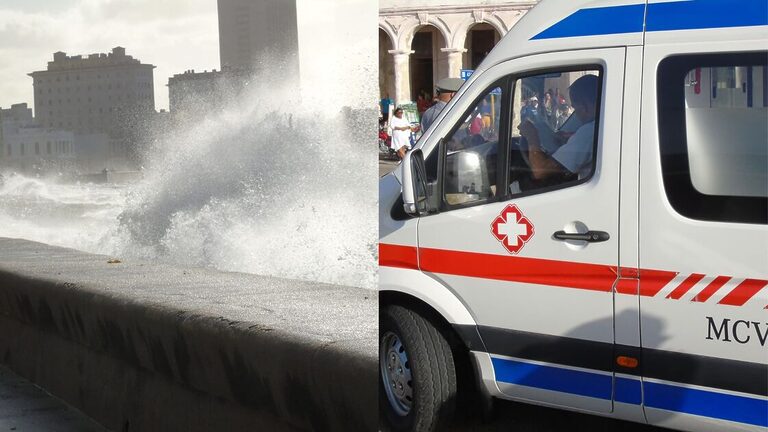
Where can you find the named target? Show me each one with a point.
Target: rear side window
(713, 132)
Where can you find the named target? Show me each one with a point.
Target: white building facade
(27, 147)
(423, 41)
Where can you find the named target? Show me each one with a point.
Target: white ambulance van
(585, 225)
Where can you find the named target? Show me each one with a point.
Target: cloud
(174, 35)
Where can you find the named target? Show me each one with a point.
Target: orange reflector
(627, 362)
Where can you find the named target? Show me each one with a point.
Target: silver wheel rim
(396, 373)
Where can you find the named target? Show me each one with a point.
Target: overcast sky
(174, 35)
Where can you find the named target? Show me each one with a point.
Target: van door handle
(589, 236)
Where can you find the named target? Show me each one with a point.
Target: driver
(575, 156)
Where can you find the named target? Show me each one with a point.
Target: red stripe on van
(743, 292)
(398, 256)
(627, 286)
(652, 281)
(710, 289)
(594, 277)
(687, 284)
(566, 274)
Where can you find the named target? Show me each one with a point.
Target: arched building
(423, 41)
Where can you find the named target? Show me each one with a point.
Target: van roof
(556, 25)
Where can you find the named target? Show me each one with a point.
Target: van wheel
(418, 377)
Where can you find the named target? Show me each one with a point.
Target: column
(402, 66)
(455, 59)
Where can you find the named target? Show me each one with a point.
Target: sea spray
(274, 184)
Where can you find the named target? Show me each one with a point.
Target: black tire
(428, 361)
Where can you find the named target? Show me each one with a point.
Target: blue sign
(466, 73)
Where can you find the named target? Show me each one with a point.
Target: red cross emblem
(512, 228)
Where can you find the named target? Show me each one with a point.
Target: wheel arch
(461, 338)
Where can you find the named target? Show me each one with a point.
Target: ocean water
(278, 184)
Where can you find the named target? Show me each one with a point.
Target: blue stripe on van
(553, 378)
(705, 403)
(701, 14)
(678, 15)
(597, 21)
(628, 391)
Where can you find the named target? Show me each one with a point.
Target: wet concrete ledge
(143, 346)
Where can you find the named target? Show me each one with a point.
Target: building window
(711, 112)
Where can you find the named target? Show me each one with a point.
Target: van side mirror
(415, 184)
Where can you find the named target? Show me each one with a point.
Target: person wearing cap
(446, 88)
(401, 133)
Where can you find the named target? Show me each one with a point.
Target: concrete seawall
(149, 347)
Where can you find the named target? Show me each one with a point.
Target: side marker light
(627, 362)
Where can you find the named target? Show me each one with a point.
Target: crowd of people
(553, 108)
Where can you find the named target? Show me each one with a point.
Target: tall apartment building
(328, 45)
(192, 95)
(96, 93)
(250, 29)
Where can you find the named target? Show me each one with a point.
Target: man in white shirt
(575, 156)
(401, 133)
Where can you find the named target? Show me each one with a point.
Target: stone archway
(428, 63)
(479, 41)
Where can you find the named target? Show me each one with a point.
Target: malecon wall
(147, 347)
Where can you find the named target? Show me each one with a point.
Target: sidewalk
(24, 407)
(387, 166)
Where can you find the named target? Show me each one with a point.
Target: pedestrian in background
(401, 133)
(386, 101)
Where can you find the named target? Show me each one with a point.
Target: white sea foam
(274, 185)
